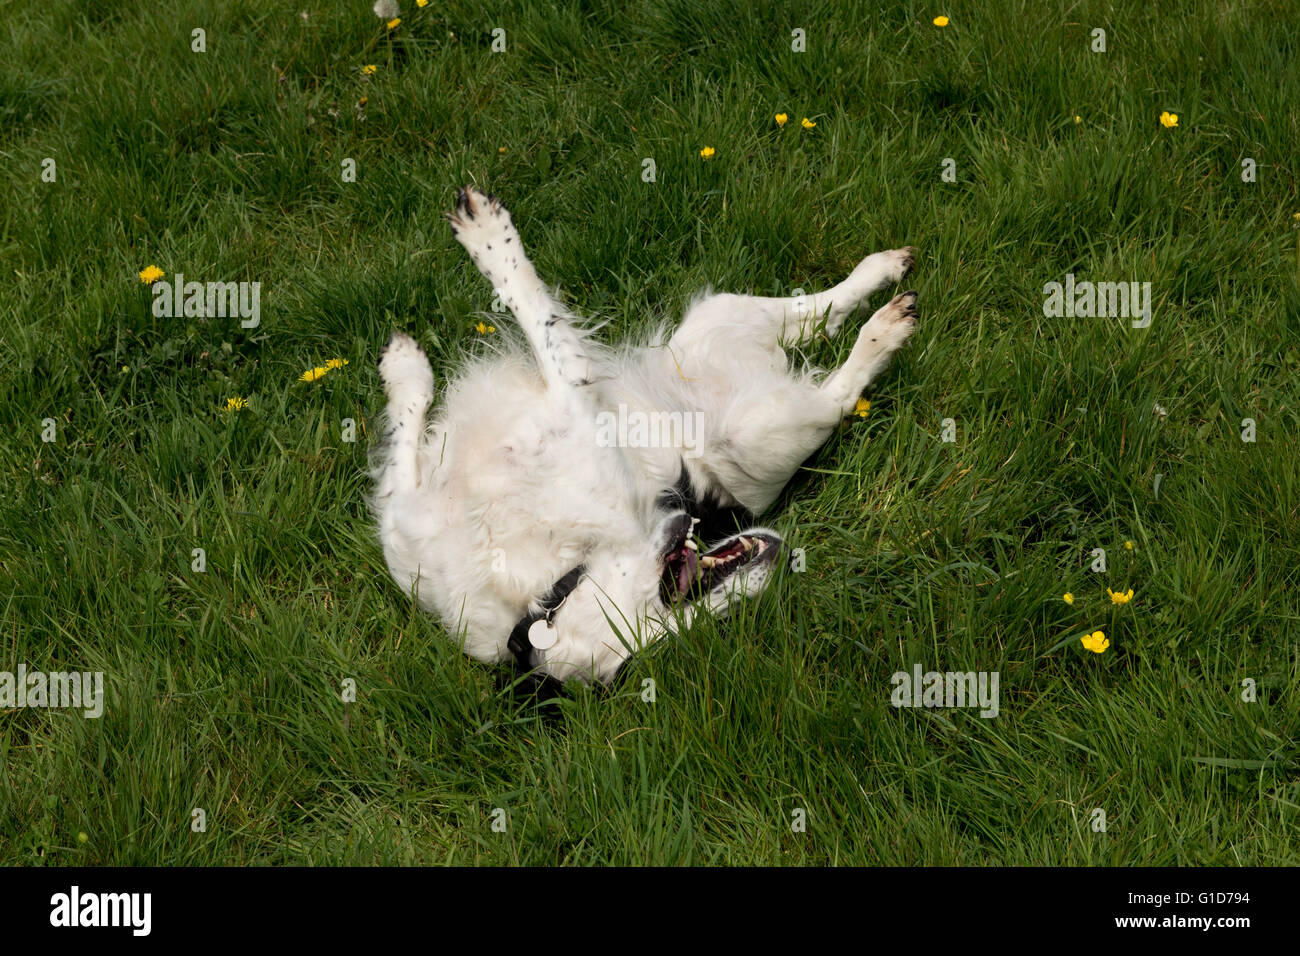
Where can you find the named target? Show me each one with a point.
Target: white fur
(485, 507)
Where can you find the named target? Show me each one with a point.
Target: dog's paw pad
(890, 327)
(907, 260)
(905, 305)
(479, 220)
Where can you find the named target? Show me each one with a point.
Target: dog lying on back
(543, 513)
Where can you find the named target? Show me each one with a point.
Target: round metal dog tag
(541, 635)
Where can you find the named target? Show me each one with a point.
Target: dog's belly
(520, 490)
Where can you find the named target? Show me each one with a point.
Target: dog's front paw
(890, 327)
(405, 370)
(896, 263)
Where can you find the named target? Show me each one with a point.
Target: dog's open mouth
(690, 575)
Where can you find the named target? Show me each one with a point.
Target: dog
(542, 528)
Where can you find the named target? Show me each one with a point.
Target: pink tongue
(687, 574)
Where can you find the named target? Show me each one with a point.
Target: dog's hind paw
(404, 368)
(478, 216)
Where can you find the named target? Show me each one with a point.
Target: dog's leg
(408, 382)
(796, 319)
(879, 339)
(483, 226)
(763, 443)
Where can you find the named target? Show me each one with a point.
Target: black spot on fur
(716, 520)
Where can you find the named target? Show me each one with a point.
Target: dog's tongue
(687, 572)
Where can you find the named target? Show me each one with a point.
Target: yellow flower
(421, 3)
(707, 152)
(1078, 119)
(1067, 597)
(940, 21)
(151, 274)
(394, 23)
(1095, 642)
(369, 69)
(336, 363)
(1121, 598)
(236, 404)
(484, 329)
(862, 408)
(1128, 545)
(502, 149)
(1168, 120)
(806, 123)
(781, 118)
(313, 374)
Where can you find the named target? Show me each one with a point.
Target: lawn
(217, 564)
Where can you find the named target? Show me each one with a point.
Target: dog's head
(625, 597)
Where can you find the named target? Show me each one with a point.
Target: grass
(223, 688)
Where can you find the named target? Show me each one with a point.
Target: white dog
(537, 528)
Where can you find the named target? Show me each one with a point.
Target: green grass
(223, 687)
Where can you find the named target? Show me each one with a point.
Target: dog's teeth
(690, 543)
(707, 561)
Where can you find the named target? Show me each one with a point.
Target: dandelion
(394, 23)
(369, 69)
(1067, 597)
(781, 118)
(1095, 642)
(313, 374)
(1128, 545)
(484, 329)
(151, 274)
(940, 21)
(862, 408)
(422, 3)
(386, 9)
(236, 404)
(806, 123)
(707, 152)
(1120, 598)
(336, 363)
(1168, 120)
(1078, 119)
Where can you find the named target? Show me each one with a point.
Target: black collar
(519, 644)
